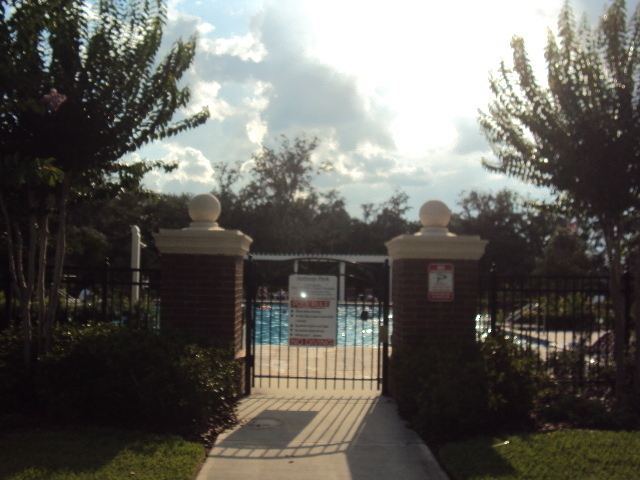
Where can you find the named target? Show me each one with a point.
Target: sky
(392, 89)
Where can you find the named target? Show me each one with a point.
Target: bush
(441, 391)
(14, 378)
(452, 389)
(109, 374)
(516, 379)
(583, 411)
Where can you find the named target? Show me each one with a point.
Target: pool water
(272, 324)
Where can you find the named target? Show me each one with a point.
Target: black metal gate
(359, 358)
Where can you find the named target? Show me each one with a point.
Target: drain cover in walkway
(264, 423)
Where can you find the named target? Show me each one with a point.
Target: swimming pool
(272, 324)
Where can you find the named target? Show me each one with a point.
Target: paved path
(319, 435)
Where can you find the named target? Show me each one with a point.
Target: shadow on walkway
(319, 435)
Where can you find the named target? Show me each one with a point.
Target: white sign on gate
(313, 310)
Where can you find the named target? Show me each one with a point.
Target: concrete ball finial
(435, 213)
(204, 210)
(435, 217)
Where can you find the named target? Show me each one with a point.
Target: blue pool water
(272, 325)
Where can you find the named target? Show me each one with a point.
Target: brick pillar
(448, 306)
(202, 276)
(202, 294)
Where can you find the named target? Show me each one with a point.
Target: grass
(97, 454)
(570, 454)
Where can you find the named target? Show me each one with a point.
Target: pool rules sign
(313, 310)
(440, 282)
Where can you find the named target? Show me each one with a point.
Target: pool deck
(336, 367)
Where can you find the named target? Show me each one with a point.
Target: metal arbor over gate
(316, 322)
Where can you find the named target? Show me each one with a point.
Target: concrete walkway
(319, 435)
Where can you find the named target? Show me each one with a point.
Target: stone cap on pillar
(203, 236)
(435, 241)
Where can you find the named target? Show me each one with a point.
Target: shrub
(452, 389)
(14, 379)
(516, 379)
(110, 374)
(567, 364)
(440, 390)
(583, 411)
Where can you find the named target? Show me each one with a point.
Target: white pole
(135, 265)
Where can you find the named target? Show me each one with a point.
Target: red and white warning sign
(313, 310)
(440, 282)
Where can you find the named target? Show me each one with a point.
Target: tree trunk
(29, 274)
(16, 267)
(54, 293)
(24, 281)
(43, 226)
(27, 327)
(612, 245)
(14, 244)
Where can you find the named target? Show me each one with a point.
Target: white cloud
(205, 28)
(194, 168)
(257, 130)
(246, 47)
(206, 94)
(259, 100)
(370, 150)
(391, 89)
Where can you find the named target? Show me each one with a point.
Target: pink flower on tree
(53, 99)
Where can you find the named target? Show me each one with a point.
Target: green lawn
(97, 454)
(571, 454)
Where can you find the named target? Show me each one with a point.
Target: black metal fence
(120, 295)
(567, 321)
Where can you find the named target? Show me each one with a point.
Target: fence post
(7, 287)
(250, 294)
(385, 324)
(105, 290)
(493, 299)
(135, 267)
(627, 291)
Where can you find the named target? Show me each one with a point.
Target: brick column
(418, 311)
(202, 276)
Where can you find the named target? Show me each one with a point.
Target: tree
(380, 223)
(516, 230)
(283, 177)
(281, 196)
(580, 134)
(564, 255)
(81, 87)
(331, 224)
(283, 211)
(100, 228)
(279, 204)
